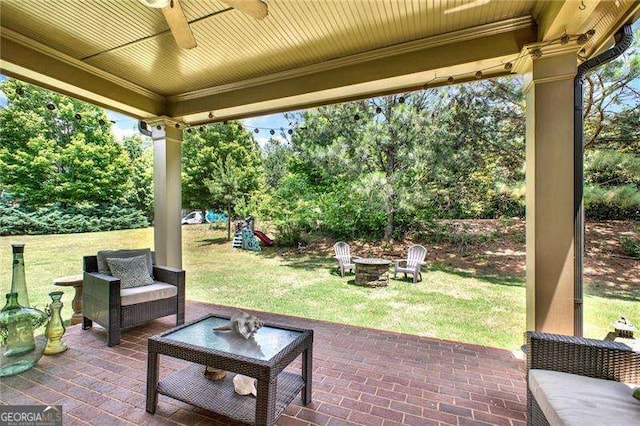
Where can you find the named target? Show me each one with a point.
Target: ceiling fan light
(156, 4)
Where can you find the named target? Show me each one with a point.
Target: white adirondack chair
(415, 259)
(343, 255)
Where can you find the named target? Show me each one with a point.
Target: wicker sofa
(577, 381)
(104, 302)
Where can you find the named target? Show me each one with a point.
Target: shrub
(459, 235)
(289, 234)
(617, 203)
(631, 246)
(56, 219)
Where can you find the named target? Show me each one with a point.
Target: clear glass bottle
(55, 327)
(18, 281)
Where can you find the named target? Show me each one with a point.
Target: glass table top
(262, 345)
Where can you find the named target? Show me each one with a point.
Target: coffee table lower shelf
(189, 385)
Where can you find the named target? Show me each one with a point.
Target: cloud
(262, 140)
(124, 125)
(120, 133)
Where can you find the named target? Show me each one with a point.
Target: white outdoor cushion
(570, 399)
(147, 293)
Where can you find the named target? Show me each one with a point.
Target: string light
(536, 53)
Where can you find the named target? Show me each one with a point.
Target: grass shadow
(213, 241)
(607, 290)
(505, 280)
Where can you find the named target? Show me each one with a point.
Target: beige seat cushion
(570, 399)
(147, 293)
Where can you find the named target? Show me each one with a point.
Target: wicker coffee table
(264, 356)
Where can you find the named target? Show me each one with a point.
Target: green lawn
(446, 304)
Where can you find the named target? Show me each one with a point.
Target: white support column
(549, 192)
(167, 190)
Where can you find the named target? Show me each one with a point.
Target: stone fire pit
(372, 272)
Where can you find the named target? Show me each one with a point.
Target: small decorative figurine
(241, 323)
(623, 328)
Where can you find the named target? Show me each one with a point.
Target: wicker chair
(101, 300)
(575, 355)
(413, 263)
(343, 256)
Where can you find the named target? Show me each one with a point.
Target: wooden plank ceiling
(126, 38)
(120, 53)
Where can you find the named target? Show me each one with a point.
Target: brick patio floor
(361, 376)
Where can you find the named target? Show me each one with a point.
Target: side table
(74, 281)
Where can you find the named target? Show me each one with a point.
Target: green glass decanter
(20, 351)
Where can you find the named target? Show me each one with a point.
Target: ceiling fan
(179, 26)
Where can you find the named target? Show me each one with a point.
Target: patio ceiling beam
(29, 61)
(297, 88)
(568, 16)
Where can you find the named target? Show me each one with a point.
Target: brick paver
(361, 376)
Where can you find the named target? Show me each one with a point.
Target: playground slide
(265, 240)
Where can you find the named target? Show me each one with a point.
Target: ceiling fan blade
(253, 8)
(179, 25)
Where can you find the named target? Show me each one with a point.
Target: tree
(225, 187)
(612, 101)
(140, 188)
(65, 154)
(202, 153)
(446, 152)
(375, 141)
(475, 149)
(612, 138)
(276, 160)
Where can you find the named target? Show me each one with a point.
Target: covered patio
(219, 64)
(361, 376)
(121, 55)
